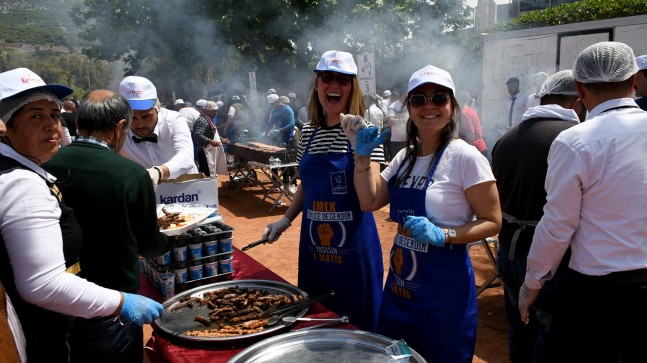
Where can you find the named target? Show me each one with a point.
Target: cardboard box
(189, 188)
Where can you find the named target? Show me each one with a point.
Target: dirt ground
(240, 209)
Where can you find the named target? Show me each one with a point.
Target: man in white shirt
(516, 104)
(595, 204)
(396, 120)
(159, 139)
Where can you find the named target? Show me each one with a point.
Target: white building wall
(522, 53)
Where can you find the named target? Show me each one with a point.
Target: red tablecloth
(160, 348)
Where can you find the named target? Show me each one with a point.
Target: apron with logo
(429, 298)
(339, 247)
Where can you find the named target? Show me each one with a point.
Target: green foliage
(585, 10)
(184, 43)
(74, 70)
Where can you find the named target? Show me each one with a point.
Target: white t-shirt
(190, 114)
(461, 166)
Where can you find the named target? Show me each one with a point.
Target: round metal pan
(321, 345)
(175, 323)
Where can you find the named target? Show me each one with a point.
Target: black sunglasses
(342, 79)
(439, 99)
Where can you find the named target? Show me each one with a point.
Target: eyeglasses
(342, 79)
(437, 100)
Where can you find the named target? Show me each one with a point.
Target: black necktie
(510, 114)
(152, 138)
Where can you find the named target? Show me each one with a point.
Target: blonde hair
(356, 105)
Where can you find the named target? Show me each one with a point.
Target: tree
(187, 43)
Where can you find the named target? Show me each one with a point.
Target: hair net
(560, 83)
(605, 62)
(10, 105)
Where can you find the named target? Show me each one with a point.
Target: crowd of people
(561, 194)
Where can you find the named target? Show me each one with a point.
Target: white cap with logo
(431, 74)
(20, 80)
(139, 91)
(336, 61)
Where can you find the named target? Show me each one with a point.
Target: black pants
(202, 162)
(602, 319)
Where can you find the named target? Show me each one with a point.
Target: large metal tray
(175, 323)
(321, 345)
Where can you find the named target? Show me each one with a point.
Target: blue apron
(339, 247)
(429, 298)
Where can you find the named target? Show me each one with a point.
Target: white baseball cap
(271, 91)
(220, 104)
(431, 74)
(292, 95)
(271, 98)
(179, 101)
(201, 102)
(386, 93)
(337, 61)
(139, 91)
(20, 80)
(641, 60)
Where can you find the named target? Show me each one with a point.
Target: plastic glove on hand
(527, 296)
(155, 175)
(139, 309)
(351, 124)
(368, 139)
(423, 230)
(274, 230)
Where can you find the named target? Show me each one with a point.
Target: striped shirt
(330, 140)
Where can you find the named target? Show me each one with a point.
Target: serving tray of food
(323, 345)
(231, 310)
(175, 219)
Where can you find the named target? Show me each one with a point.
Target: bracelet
(363, 170)
(159, 172)
(359, 157)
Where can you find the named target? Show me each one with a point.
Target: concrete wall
(523, 53)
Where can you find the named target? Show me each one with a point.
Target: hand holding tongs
(254, 244)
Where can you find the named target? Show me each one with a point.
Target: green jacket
(114, 202)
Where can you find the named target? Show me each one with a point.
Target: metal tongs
(278, 314)
(254, 244)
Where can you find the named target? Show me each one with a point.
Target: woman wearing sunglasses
(443, 195)
(339, 245)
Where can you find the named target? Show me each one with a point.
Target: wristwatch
(450, 234)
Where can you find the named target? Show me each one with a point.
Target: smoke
(187, 57)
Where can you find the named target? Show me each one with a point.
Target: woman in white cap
(443, 196)
(39, 236)
(339, 246)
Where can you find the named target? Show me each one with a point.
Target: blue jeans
(106, 340)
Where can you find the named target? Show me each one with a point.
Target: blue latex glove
(273, 133)
(139, 309)
(368, 139)
(423, 230)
